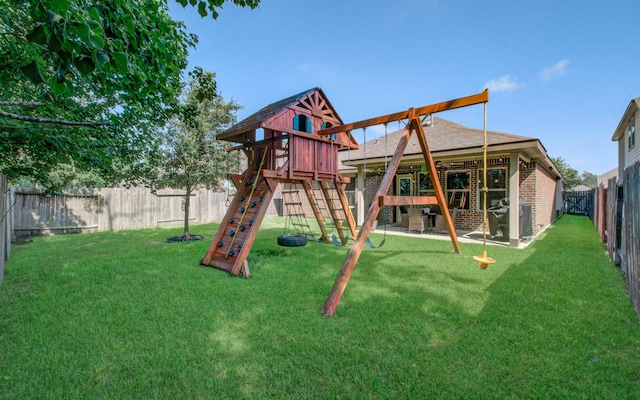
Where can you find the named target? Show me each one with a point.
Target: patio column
(514, 199)
(361, 207)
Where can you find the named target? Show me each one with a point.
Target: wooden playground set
(302, 135)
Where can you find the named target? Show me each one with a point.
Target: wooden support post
(433, 175)
(245, 269)
(345, 206)
(308, 189)
(236, 179)
(360, 210)
(337, 221)
(354, 253)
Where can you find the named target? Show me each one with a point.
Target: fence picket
(113, 209)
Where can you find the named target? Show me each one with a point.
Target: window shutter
(296, 123)
(309, 128)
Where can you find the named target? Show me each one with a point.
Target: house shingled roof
(446, 139)
(442, 135)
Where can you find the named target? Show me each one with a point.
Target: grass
(124, 315)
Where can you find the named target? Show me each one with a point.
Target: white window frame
(463, 203)
(479, 197)
(631, 133)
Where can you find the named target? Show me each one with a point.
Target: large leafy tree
(88, 83)
(571, 175)
(192, 156)
(589, 179)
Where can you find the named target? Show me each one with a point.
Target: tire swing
(288, 240)
(483, 259)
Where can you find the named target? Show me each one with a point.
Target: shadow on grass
(418, 320)
(549, 321)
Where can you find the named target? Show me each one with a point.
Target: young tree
(192, 156)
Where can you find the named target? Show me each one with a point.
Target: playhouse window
(496, 186)
(458, 189)
(302, 123)
(327, 125)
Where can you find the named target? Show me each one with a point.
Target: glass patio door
(404, 187)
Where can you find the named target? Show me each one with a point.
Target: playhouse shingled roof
(255, 120)
(447, 139)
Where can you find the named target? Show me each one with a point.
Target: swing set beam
(420, 111)
(380, 198)
(407, 200)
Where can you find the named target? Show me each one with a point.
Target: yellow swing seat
(484, 260)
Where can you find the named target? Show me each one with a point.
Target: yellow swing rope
(484, 260)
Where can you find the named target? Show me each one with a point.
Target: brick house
(518, 167)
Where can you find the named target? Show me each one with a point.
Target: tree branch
(51, 120)
(14, 103)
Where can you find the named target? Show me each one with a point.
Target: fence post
(6, 222)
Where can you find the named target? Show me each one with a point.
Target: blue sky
(560, 71)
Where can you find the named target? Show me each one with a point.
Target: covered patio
(518, 169)
(464, 236)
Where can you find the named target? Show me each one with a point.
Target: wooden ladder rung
(311, 234)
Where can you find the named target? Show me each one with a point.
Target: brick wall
(544, 200)
(537, 187)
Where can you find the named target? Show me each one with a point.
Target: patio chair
(441, 225)
(416, 222)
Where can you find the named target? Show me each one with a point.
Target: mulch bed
(182, 238)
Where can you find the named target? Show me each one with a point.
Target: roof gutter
(619, 132)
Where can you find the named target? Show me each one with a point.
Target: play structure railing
(307, 157)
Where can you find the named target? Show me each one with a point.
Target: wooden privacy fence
(613, 220)
(95, 210)
(580, 203)
(600, 207)
(6, 222)
(622, 228)
(631, 233)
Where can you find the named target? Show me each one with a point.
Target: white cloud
(504, 84)
(313, 68)
(554, 71)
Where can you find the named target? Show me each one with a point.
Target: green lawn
(124, 315)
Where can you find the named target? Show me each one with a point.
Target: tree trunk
(187, 205)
